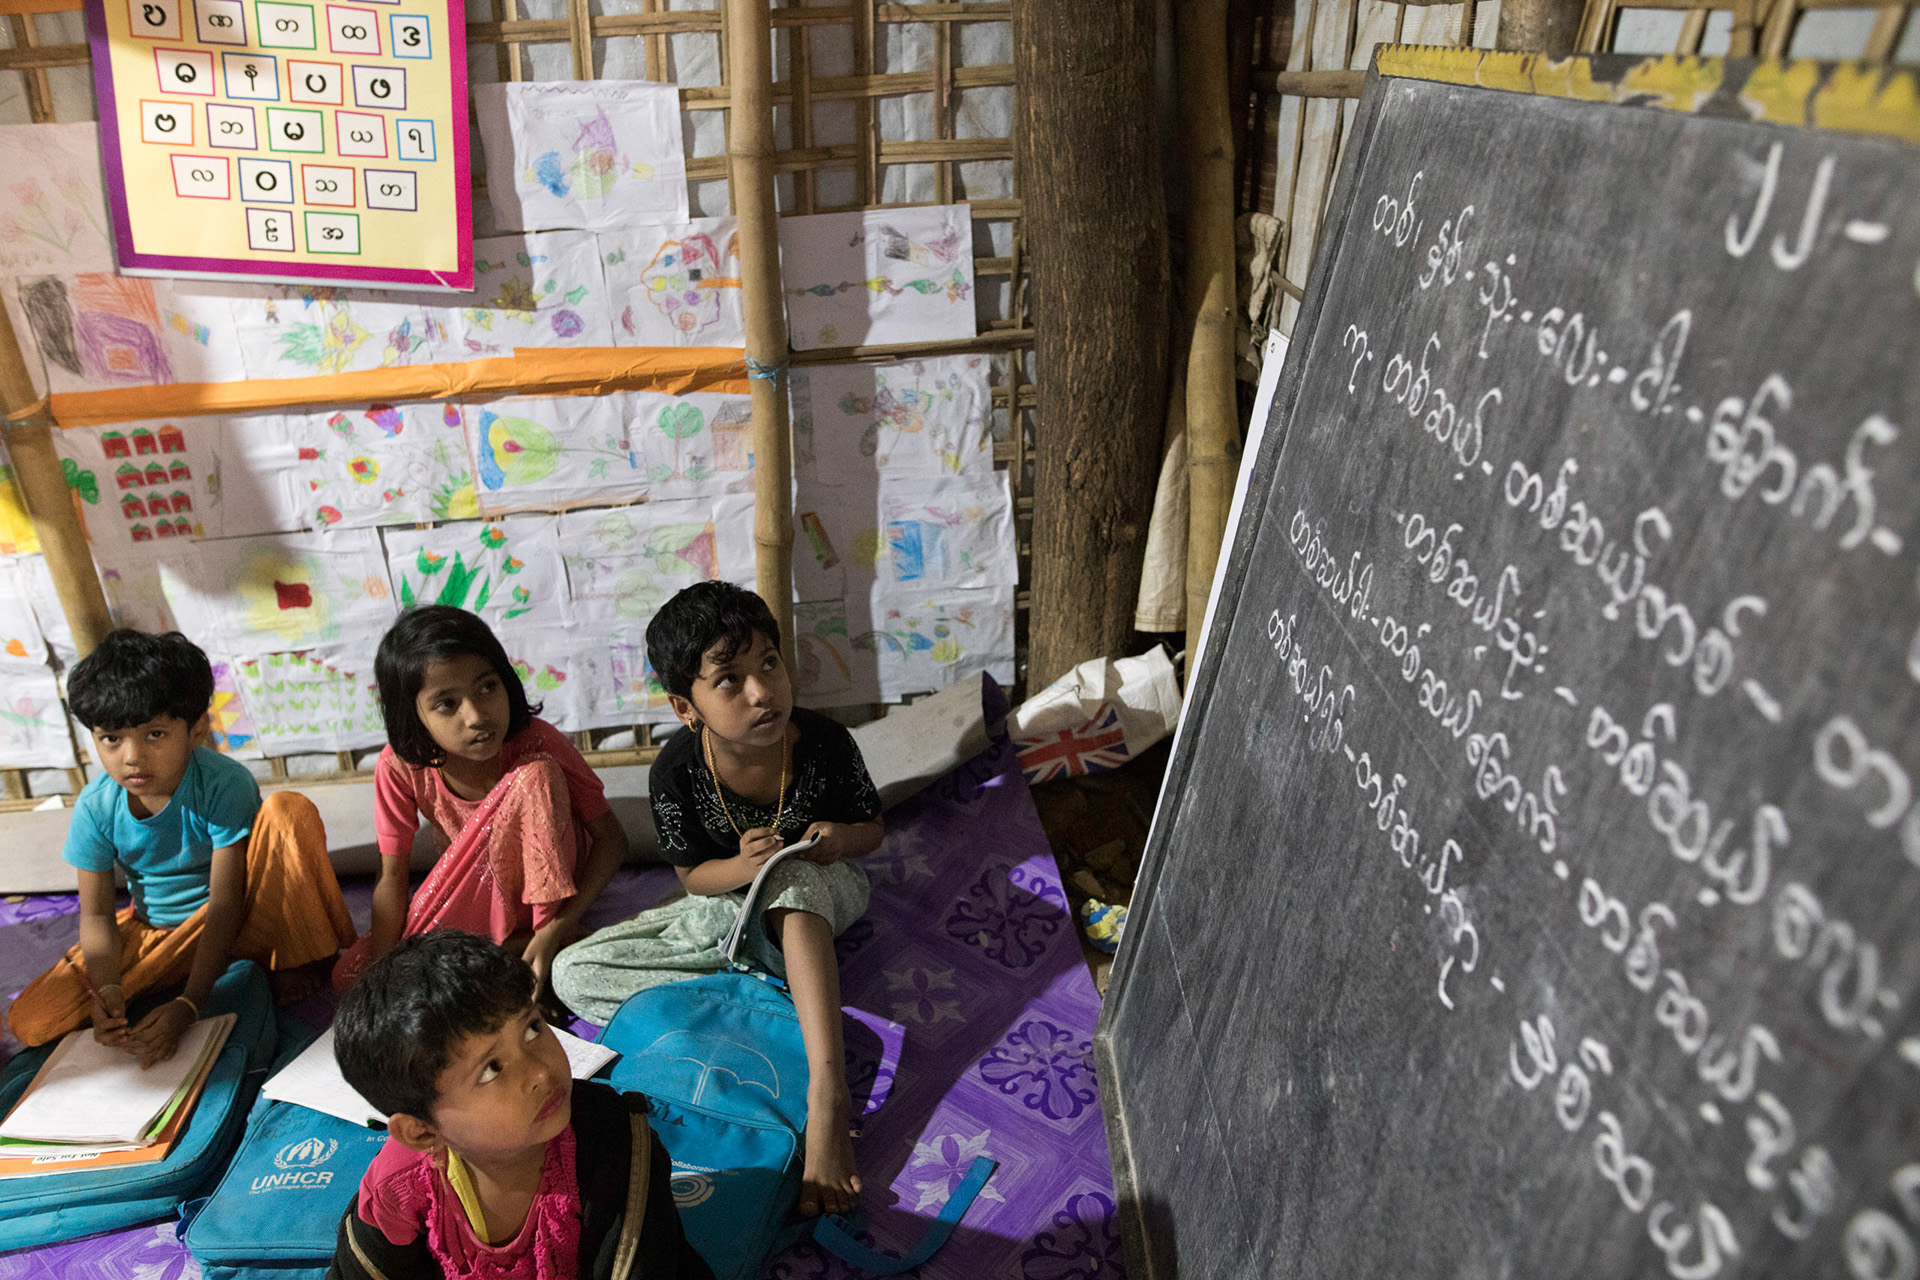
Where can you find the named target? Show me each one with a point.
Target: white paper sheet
(542, 290)
(926, 535)
(582, 154)
(552, 452)
(932, 640)
(878, 276)
(675, 286)
(499, 569)
(23, 647)
(98, 332)
(92, 1092)
(315, 700)
(144, 487)
(252, 596)
(298, 331)
(833, 670)
(56, 219)
(691, 445)
(313, 1078)
(624, 563)
(350, 467)
(33, 726)
(558, 668)
(924, 419)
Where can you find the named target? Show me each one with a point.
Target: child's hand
(158, 1034)
(758, 844)
(828, 849)
(110, 1017)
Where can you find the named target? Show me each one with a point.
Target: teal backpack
(724, 1069)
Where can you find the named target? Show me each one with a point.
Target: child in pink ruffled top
(497, 1164)
(531, 838)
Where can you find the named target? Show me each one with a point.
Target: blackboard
(1533, 893)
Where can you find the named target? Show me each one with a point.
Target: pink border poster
(287, 140)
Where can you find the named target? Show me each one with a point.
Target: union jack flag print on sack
(1094, 747)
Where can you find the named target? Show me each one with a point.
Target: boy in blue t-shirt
(214, 874)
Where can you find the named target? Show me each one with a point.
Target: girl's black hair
(704, 616)
(134, 677)
(432, 633)
(398, 1025)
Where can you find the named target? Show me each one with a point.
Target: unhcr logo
(300, 1161)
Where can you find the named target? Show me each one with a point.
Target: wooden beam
(1539, 26)
(750, 155)
(1312, 84)
(1095, 230)
(1213, 415)
(43, 484)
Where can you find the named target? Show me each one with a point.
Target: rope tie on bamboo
(758, 371)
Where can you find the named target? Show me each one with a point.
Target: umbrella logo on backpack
(309, 1154)
(716, 1055)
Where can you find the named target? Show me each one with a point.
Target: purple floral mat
(968, 945)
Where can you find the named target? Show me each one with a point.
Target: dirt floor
(1098, 825)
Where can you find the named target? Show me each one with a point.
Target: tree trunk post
(1539, 26)
(1096, 237)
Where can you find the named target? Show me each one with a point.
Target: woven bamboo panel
(876, 105)
(1878, 35)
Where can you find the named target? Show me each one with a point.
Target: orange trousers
(294, 916)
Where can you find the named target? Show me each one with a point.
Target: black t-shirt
(829, 783)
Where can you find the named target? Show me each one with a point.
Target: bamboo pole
(1213, 428)
(36, 466)
(1539, 26)
(750, 161)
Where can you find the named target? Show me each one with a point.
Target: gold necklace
(780, 810)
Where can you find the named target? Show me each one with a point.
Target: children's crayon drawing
(251, 596)
(937, 534)
(923, 418)
(56, 219)
(593, 155)
(230, 723)
(350, 467)
(878, 276)
(142, 488)
(101, 331)
(701, 443)
(316, 700)
(630, 692)
(834, 671)
(135, 596)
(17, 535)
(624, 563)
(36, 580)
(299, 331)
(554, 452)
(930, 641)
(22, 645)
(560, 670)
(33, 725)
(676, 286)
(499, 569)
(541, 290)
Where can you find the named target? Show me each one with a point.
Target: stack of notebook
(91, 1106)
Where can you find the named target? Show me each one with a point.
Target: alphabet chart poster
(305, 141)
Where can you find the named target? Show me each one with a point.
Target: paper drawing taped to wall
(57, 212)
(142, 488)
(933, 534)
(931, 641)
(230, 724)
(33, 724)
(834, 670)
(347, 468)
(700, 443)
(593, 155)
(623, 564)
(22, 643)
(878, 276)
(530, 291)
(630, 693)
(251, 596)
(922, 418)
(98, 332)
(313, 700)
(499, 569)
(553, 452)
(560, 669)
(298, 331)
(675, 286)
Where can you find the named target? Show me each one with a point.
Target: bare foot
(829, 1180)
(291, 986)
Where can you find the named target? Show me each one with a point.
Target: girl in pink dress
(531, 840)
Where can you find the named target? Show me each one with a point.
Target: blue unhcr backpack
(724, 1069)
(40, 1211)
(277, 1211)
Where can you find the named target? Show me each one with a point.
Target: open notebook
(731, 947)
(98, 1096)
(313, 1079)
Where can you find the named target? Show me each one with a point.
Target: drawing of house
(142, 534)
(143, 442)
(172, 439)
(732, 440)
(162, 529)
(179, 471)
(182, 500)
(131, 507)
(115, 444)
(182, 527)
(130, 476)
(156, 472)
